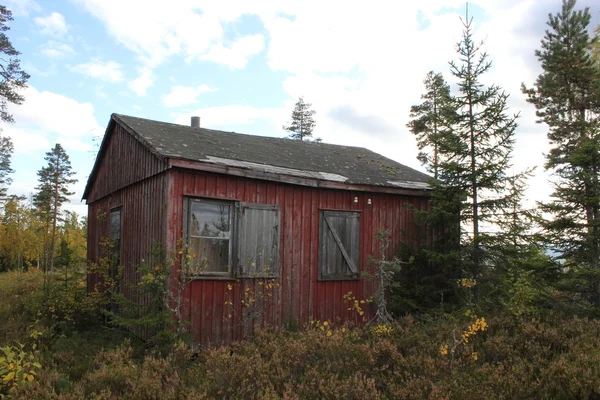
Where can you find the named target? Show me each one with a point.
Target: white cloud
(26, 141)
(55, 49)
(109, 71)
(46, 118)
(192, 29)
(182, 95)
(22, 7)
(144, 81)
(236, 56)
(224, 116)
(56, 115)
(53, 24)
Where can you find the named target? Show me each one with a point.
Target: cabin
(285, 223)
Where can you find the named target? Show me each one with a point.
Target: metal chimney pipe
(195, 122)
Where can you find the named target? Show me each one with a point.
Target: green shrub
(515, 357)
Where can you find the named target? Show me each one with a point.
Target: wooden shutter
(258, 240)
(339, 246)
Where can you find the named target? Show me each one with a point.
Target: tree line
(35, 231)
(519, 257)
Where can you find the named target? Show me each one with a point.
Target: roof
(348, 164)
(266, 157)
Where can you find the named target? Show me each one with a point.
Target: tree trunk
(54, 217)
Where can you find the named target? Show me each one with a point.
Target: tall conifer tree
(567, 97)
(302, 124)
(469, 150)
(430, 120)
(53, 189)
(478, 156)
(12, 77)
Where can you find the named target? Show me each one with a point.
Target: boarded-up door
(339, 245)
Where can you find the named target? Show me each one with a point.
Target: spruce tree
(470, 153)
(476, 158)
(431, 119)
(302, 124)
(53, 189)
(567, 98)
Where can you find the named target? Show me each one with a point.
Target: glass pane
(115, 224)
(209, 220)
(211, 255)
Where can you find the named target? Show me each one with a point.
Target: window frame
(189, 200)
(324, 227)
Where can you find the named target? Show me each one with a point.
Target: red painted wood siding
(124, 162)
(300, 296)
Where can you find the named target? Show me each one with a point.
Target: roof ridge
(247, 134)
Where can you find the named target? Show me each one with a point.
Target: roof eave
(208, 166)
(115, 119)
(99, 156)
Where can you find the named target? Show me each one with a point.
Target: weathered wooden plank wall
(300, 296)
(129, 176)
(143, 222)
(123, 162)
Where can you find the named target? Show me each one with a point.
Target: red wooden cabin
(298, 217)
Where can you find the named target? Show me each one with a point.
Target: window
(258, 250)
(228, 238)
(209, 236)
(115, 235)
(115, 253)
(339, 244)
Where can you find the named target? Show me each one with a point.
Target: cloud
(53, 24)
(49, 114)
(55, 49)
(22, 7)
(109, 71)
(144, 81)
(366, 124)
(189, 29)
(236, 56)
(221, 117)
(26, 141)
(182, 95)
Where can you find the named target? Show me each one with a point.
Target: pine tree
(12, 77)
(596, 47)
(302, 124)
(53, 189)
(431, 119)
(567, 98)
(6, 150)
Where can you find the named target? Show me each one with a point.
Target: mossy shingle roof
(356, 164)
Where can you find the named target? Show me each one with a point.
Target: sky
(242, 65)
